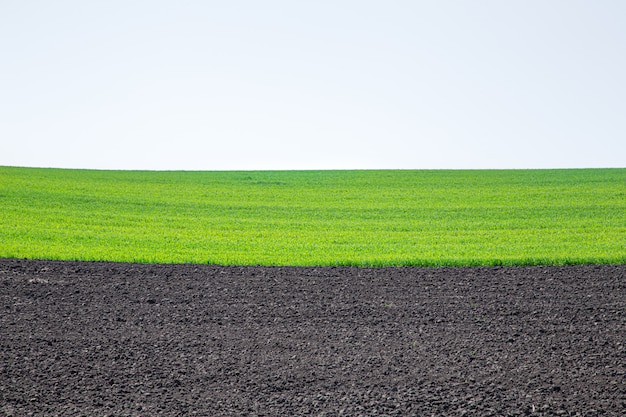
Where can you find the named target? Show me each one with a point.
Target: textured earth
(107, 339)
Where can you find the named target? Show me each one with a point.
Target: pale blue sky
(207, 85)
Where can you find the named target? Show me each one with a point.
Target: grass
(363, 218)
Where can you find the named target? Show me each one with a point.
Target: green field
(364, 218)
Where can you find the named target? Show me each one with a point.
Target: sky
(325, 84)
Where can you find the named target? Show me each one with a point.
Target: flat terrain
(312, 218)
(107, 339)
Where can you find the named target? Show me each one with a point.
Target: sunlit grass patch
(363, 218)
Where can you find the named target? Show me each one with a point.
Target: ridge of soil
(111, 339)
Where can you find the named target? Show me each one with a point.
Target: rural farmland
(315, 218)
(329, 293)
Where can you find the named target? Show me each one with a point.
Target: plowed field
(107, 339)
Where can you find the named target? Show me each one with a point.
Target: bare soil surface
(107, 339)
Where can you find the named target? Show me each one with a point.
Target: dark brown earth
(106, 339)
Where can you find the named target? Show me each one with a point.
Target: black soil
(106, 339)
